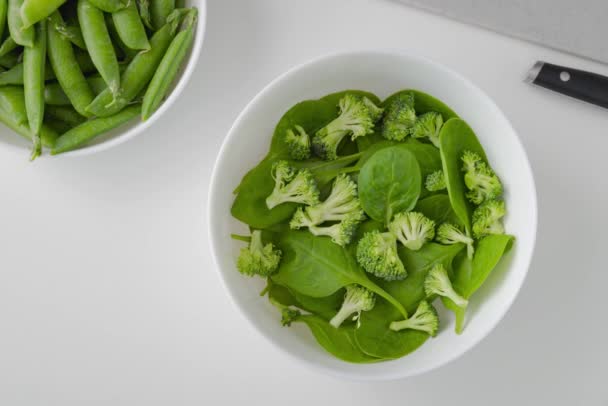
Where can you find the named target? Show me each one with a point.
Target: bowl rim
(164, 107)
(214, 241)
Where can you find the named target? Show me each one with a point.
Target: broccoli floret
(450, 234)
(257, 258)
(480, 179)
(298, 143)
(357, 117)
(289, 315)
(400, 118)
(377, 254)
(487, 218)
(412, 229)
(428, 126)
(435, 181)
(341, 233)
(356, 300)
(292, 185)
(424, 319)
(437, 282)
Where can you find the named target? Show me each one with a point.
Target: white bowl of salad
(373, 214)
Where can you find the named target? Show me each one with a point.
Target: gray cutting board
(579, 27)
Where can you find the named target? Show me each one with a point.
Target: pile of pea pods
(71, 70)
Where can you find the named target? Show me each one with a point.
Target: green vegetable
(450, 234)
(412, 229)
(8, 45)
(3, 15)
(160, 11)
(469, 275)
(71, 33)
(428, 126)
(424, 319)
(438, 208)
(298, 142)
(480, 179)
(389, 183)
(357, 118)
(377, 254)
(257, 258)
(130, 27)
(34, 61)
(487, 218)
(437, 282)
(400, 117)
(110, 6)
(435, 182)
(356, 300)
(144, 12)
(33, 11)
(22, 36)
(292, 186)
(66, 114)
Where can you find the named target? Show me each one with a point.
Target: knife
(587, 86)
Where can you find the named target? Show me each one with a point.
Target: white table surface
(108, 294)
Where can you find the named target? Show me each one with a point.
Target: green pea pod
(169, 66)
(10, 60)
(160, 11)
(55, 96)
(8, 46)
(71, 33)
(144, 13)
(97, 84)
(60, 127)
(110, 6)
(22, 36)
(3, 14)
(34, 64)
(14, 76)
(99, 44)
(130, 27)
(121, 49)
(66, 67)
(66, 114)
(84, 61)
(14, 116)
(88, 130)
(137, 75)
(33, 11)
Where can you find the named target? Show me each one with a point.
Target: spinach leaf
(316, 267)
(249, 206)
(455, 138)
(423, 103)
(410, 291)
(428, 158)
(340, 342)
(375, 338)
(469, 275)
(389, 183)
(324, 307)
(438, 208)
(310, 114)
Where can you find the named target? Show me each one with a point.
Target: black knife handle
(582, 85)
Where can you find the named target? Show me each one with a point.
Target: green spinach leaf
(438, 208)
(389, 183)
(455, 138)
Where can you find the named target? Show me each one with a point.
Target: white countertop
(108, 294)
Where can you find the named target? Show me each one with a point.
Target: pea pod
(14, 116)
(33, 11)
(110, 6)
(88, 130)
(55, 96)
(169, 66)
(130, 27)
(71, 33)
(34, 64)
(137, 75)
(121, 49)
(160, 11)
(144, 12)
(8, 46)
(66, 114)
(99, 44)
(9, 60)
(60, 127)
(22, 36)
(66, 67)
(14, 76)
(3, 14)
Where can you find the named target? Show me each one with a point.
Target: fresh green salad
(364, 214)
(71, 70)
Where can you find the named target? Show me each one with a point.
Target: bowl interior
(381, 73)
(135, 127)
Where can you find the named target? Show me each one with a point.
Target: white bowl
(381, 73)
(135, 127)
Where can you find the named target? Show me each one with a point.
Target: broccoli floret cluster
(480, 179)
(298, 143)
(435, 181)
(428, 126)
(356, 300)
(437, 282)
(487, 218)
(424, 319)
(377, 252)
(292, 185)
(342, 207)
(357, 118)
(450, 234)
(400, 118)
(257, 258)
